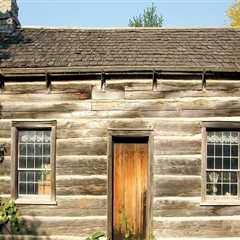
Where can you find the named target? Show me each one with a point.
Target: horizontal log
(81, 87)
(72, 226)
(72, 206)
(226, 85)
(5, 166)
(189, 207)
(197, 227)
(98, 127)
(177, 164)
(84, 146)
(25, 87)
(46, 106)
(71, 185)
(173, 185)
(5, 185)
(172, 85)
(177, 145)
(81, 165)
(175, 104)
(74, 115)
(107, 93)
(42, 97)
(156, 94)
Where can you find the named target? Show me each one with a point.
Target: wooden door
(130, 190)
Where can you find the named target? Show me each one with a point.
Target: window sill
(22, 201)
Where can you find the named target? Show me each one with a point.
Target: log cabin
(130, 130)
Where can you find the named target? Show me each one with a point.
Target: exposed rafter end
(48, 82)
(2, 83)
(103, 81)
(204, 80)
(154, 78)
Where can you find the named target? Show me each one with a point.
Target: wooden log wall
(84, 112)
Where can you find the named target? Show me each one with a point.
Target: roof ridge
(128, 28)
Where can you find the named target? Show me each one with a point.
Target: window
(221, 163)
(33, 153)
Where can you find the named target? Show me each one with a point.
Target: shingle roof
(189, 48)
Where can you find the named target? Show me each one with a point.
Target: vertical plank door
(129, 190)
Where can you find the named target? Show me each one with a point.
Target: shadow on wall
(29, 230)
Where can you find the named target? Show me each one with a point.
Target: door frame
(129, 132)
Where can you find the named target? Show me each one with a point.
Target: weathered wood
(74, 115)
(177, 145)
(98, 127)
(25, 87)
(54, 106)
(172, 85)
(170, 185)
(72, 206)
(177, 164)
(177, 104)
(197, 227)
(41, 97)
(226, 85)
(157, 94)
(189, 207)
(108, 93)
(71, 185)
(5, 187)
(80, 87)
(72, 226)
(81, 165)
(5, 166)
(82, 146)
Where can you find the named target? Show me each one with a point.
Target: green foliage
(234, 14)
(124, 222)
(96, 236)
(9, 216)
(150, 18)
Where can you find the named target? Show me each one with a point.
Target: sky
(116, 13)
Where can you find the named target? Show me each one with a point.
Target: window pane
(226, 150)
(210, 163)
(210, 150)
(22, 188)
(30, 162)
(46, 149)
(234, 189)
(226, 163)
(38, 149)
(218, 150)
(233, 177)
(23, 149)
(234, 150)
(226, 177)
(38, 162)
(34, 156)
(234, 163)
(218, 163)
(226, 189)
(22, 162)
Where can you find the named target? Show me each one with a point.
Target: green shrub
(10, 219)
(96, 236)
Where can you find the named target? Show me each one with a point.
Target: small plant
(125, 224)
(10, 219)
(96, 236)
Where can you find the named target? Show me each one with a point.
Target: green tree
(234, 14)
(150, 18)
